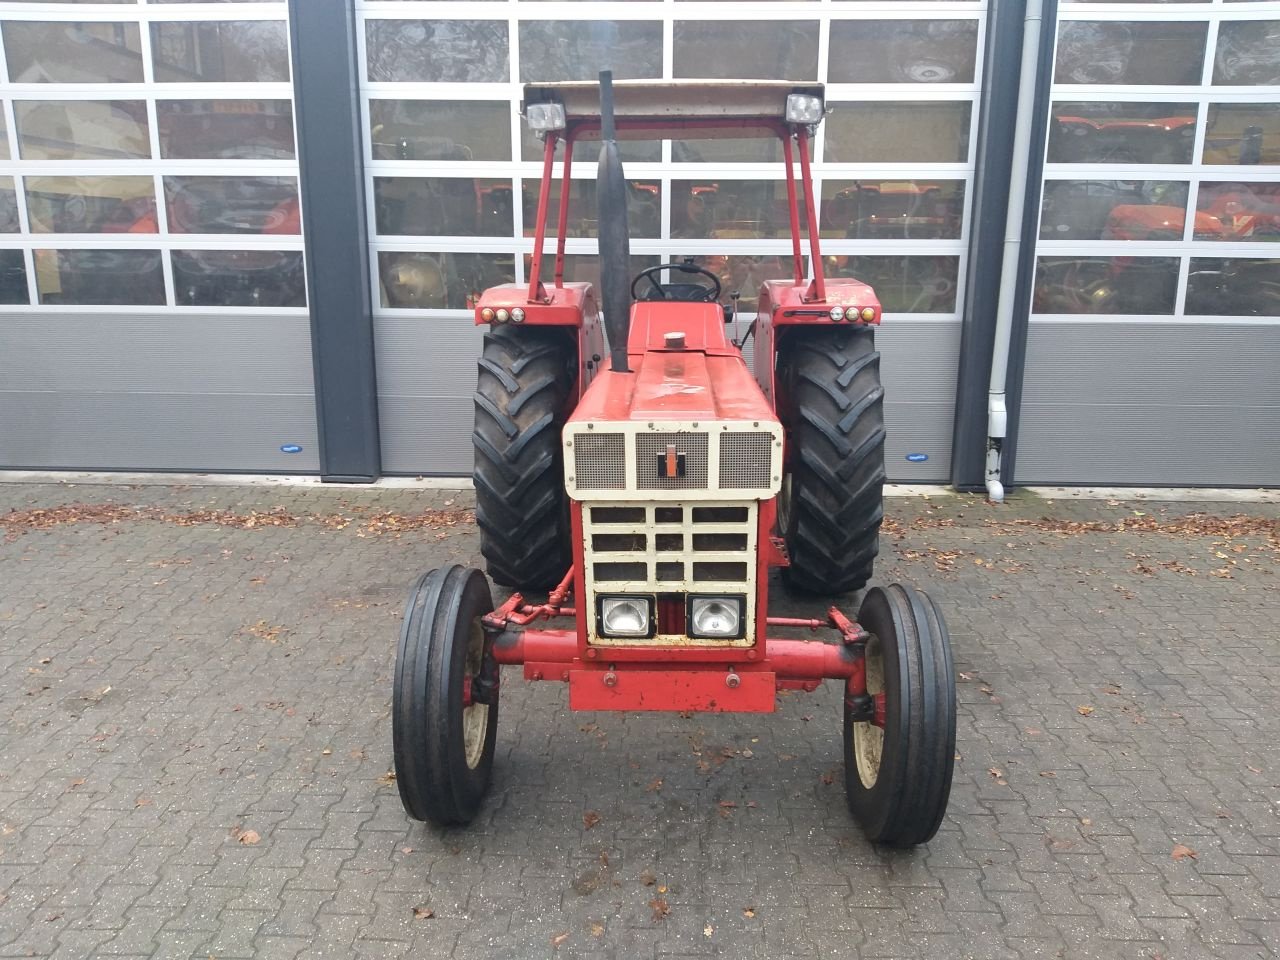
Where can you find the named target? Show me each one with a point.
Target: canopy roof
(655, 109)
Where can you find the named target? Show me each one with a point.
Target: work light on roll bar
(543, 117)
(804, 108)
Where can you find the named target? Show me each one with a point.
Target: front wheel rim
(475, 716)
(868, 739)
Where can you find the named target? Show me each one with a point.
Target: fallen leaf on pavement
(748, 912)
(648, 878)
(708, 930)
(1084, 710)
(654, 786)
(1181, 852)
(249, 838)
(597, 929)
(387, 778)
(1047, 773)
(423, 913)
(559, 938)
(659, 908)
(590, 819)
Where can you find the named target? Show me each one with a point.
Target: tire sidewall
(875, 805)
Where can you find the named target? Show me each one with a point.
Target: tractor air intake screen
(745, 460)
(691, 451)
(598, 461)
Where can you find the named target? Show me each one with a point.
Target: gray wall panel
(176, 391)
(426, 372)
(156, 431)
(1167, 403)
(173, 353)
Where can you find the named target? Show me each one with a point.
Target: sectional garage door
(453, 178)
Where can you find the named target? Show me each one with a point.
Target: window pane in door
(225, 129)
(220, 50)
(72, 52)
(1130, 52)
(82, 129)
(903, 51)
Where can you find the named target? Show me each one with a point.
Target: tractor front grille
(629, 461)
(599, 462)
(664, 549)
(745, 460)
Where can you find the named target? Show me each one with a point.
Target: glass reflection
(437, 130)
(1239, 211)
(1130, 52)
(266, 205)
(91, 204)
(239, 278)
(1242, 133)
(225, 129)
(1122, 132)
(729, 209)
(1248, 53)
(580, 49)
(746, 50)
(1121, 285)
(1113, 210)
(13, 278)
(588, 151)
(585, 267)
(903, 51)
(100, 277)
(904, 284)
(73, 52)
(220, 50)
(644, 208)
(1233, 288)
(443, 207)
(905, 132)
(9, 221)
(892, 209)
(440, 280)
(437, 50)
(732, 150)
(82, 129)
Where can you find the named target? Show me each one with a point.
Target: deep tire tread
(524, 378)
(835, 420)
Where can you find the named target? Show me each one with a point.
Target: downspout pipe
(1024, 119)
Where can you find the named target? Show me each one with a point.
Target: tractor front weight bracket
(717, 679)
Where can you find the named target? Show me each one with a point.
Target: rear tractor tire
(522, 509)
(831, 505)
(898, 775)
(444, 704)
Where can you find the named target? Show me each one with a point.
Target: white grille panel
(599, 461)
(664, 549)
(746, 460)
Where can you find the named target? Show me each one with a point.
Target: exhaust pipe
(614, 241)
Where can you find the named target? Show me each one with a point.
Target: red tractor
(651, 492)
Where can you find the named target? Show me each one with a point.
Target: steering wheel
(688, 292)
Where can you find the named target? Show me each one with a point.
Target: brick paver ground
(195, 740)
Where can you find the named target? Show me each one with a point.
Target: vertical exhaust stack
(615, 242)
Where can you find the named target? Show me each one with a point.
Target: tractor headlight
(715, 617)
(626, 616)
(544, 116)
(837, 314)
(804, 108)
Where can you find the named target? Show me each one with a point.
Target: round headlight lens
(715, 616)
(868, 314)
(624, 617)
(837, 314)
(517, 315)
(487, 314)
(503, 315)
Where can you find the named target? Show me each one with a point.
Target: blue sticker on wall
(917, 457)
(291, 448)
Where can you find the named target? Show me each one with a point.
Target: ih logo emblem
(671, 464)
